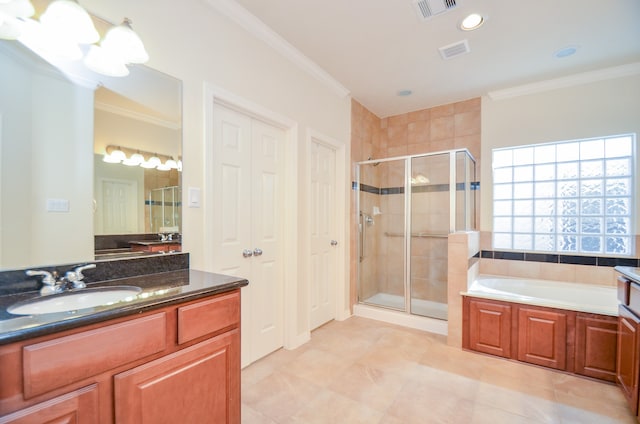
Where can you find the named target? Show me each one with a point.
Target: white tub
(553, 294)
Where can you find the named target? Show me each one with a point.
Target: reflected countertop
(629, 272)
(158, 290)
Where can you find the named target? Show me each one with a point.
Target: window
(567, 197)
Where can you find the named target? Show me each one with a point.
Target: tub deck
(553, 294)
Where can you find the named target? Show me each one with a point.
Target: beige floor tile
(539, 406)
(362, 370)
(483, 414)
(423, 403)
(330, 407)
(317, 366)
(280, 395)
(373, 387)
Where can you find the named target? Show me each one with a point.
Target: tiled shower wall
(445, 127)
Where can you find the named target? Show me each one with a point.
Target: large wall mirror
(56, 191)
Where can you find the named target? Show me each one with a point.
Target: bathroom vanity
(171, 353)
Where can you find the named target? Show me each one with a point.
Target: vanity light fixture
(471, 22)
(12, 13)
(64, 27)
(121, 40)
(68, 19)
(114, 155)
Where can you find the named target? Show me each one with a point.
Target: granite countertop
(158, 290)
(629, 272)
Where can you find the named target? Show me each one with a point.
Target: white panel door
(119, 206)
(323, 234)
(248, 201)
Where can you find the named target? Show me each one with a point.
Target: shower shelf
(422, 235)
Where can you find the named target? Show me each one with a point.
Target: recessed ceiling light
(404, 93)
(565, 52)
(471, 22)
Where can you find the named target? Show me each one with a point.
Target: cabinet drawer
(623, 290)
(207, 317)
(80, 406)
(634, 297)
(56, 363)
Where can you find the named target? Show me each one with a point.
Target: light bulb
(123, 41)
(104, 62)
(135, 160)
(68, 17)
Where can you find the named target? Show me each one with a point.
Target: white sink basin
(73, 300)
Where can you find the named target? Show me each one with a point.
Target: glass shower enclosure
(407, 206)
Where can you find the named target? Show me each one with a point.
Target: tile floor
(365, 371)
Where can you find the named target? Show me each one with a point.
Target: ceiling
(376, 48)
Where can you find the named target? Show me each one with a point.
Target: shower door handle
(334, 242)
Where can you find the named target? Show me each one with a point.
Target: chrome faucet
(71, 279)
(49, 283)
(74, 278)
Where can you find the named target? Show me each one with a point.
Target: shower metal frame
(407, 205)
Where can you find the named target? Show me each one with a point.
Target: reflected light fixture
(153, 162)
(130, 157)
(135, 160)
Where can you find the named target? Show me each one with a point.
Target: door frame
(340, 288)
(214, 95)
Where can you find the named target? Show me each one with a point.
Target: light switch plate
(194, 197)
(57, 205)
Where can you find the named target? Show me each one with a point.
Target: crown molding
(234, 11)
(569, 81)
(127, 113)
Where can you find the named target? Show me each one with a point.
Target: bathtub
(553, 294)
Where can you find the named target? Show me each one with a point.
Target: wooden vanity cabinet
(596, 346)
(489, 327)
(576, 342)
(180, 363)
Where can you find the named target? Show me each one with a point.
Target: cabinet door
(596, 341)
(490, 327)
(628, 357)
(199, 384)
(78, 407)
(542, 337)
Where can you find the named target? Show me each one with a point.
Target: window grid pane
(565, 197)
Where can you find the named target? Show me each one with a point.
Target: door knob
(334, 242)
(247, 253)
(257, 251)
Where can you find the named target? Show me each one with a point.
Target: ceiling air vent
(429, 8)
(456, 49)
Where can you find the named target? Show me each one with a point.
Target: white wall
(589, 110)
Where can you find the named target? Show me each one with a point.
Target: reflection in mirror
(50, 198)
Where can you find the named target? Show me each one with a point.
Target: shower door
(381, 229)
(430, 226)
